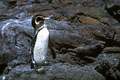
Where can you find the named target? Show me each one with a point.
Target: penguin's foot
(41, 70)
(33, 64)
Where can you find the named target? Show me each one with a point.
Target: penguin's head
(38, 21)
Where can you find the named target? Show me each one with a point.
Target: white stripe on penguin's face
(38, 20)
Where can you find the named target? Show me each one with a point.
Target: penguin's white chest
(41, 46)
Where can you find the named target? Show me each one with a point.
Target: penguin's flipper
(32, 62)
(51, 48)
(31, 58)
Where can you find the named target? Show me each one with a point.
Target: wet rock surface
(85, 35)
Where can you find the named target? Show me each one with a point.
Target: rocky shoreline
(85, 36)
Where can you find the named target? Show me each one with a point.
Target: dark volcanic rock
(81, 32)
(107, 65)
(57, 71)
(15, 40)
(108, 70)
(112, 50)
(70, 35)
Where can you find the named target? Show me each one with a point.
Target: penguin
(41, 42)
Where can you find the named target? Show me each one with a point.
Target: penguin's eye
(38, 19)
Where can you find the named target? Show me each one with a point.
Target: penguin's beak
(49, 17)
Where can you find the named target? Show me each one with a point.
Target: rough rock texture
(85, 36)
(15, 40)
(57, 71)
